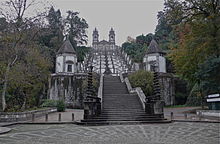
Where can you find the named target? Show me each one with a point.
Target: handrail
(138, 90)
(141, 96)
(128, 84)
(100, 91)
(121, 77)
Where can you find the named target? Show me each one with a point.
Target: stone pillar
(167, 88)
(149, 108)
(158, 107)
(92, 104)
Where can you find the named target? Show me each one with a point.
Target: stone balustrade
(128, 84)
(138, 90)
(155, 107)
(121, 77)
(23, 116)
(141, 96)
(100, 91)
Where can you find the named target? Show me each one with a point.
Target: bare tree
(16, 13)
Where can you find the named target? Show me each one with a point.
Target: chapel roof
(154, 48)
(66, 47)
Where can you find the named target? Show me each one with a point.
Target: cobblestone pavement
(173, 133)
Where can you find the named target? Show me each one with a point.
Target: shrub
(49, 103)
(61, 106)
(194, 98)
(143, 79)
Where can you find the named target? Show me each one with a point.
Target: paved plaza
(173, 133)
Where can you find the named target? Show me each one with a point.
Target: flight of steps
(120, 107)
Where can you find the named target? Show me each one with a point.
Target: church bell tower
(112, 36)
(95, 38)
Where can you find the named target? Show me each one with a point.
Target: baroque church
(104, 45)
(106, 57)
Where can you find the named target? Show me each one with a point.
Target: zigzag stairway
(120, 107)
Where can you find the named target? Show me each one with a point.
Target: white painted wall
(151, 58)
(148, 60)
(160, 61)
(61, 62)
(145, 59)
(162, 64)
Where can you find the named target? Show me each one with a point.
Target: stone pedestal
(149, 108)
(158, 107)
(92, 107)
(67, 87)
(167, 88)
(88, 110)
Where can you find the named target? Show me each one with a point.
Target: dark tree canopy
(28, 47)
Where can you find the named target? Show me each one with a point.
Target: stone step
(112, 104)
(117, 87)
(123, 119)
(112, 79)
(120, 100)
(115, 92)
(131, 115)
(122, 122)
(116, 103)
(114, 89)
(124, 116)
(121, 95)
(122, 110)
(120, 106)
(126, 113)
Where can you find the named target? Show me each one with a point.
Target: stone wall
(67, 87)
(23, 116)
(167, 88)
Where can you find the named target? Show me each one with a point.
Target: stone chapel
(66, 83)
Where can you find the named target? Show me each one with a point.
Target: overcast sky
(127, 17)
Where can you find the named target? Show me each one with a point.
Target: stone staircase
(120, 107)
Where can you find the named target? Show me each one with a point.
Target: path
(78, 115)
(178, 114)
(173, 133)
